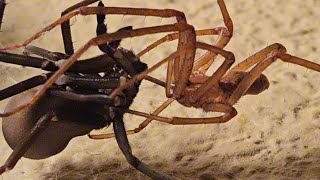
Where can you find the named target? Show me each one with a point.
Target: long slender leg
(27, 61)
(156, 81)
(53, 56)
(23, 86)
(2, 8)
(224, 37)
(261, 66)
(259, 56)
(84, 11)
(109, 47)
(174, 36)
(65, 26)
(229, 111)
(144, 124)
(24, 145)
(97, 98)
(92, 82)
(93, 65)
(122, 140)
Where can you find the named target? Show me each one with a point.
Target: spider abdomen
(72, 119)
(230, 82)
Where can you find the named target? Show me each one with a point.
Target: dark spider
(77, 103)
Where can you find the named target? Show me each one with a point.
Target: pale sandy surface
(275, 135)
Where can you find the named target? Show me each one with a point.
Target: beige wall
(275, 134)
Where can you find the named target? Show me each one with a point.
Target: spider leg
(205, 61)
(24, 145)
(92, 65)
(84, 11)
(174, 36)
(229, 111)
(2, 8)
(93, 82)
(65, 26)
(23, 86)
(109, 47)
(122, 140)
(102, 29)
(226, 17)
(225, 34)
(263, 63)
(27, 61)
(258, 57)
(144, 124)
(53, 56)
(96, 98)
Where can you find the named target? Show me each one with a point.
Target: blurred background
(275, 134)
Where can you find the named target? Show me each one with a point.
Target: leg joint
(230, 57)
(179, 15)
(279, 47)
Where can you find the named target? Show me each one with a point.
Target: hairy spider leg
(23, 86)
(96, 64)
(264, 59)
(229, 111)
(144, 124)
(225, 34)
(52, 56)
(122, 140)
(65, 26)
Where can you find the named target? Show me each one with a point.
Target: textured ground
(275, 135)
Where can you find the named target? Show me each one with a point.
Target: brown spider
(186, 80)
